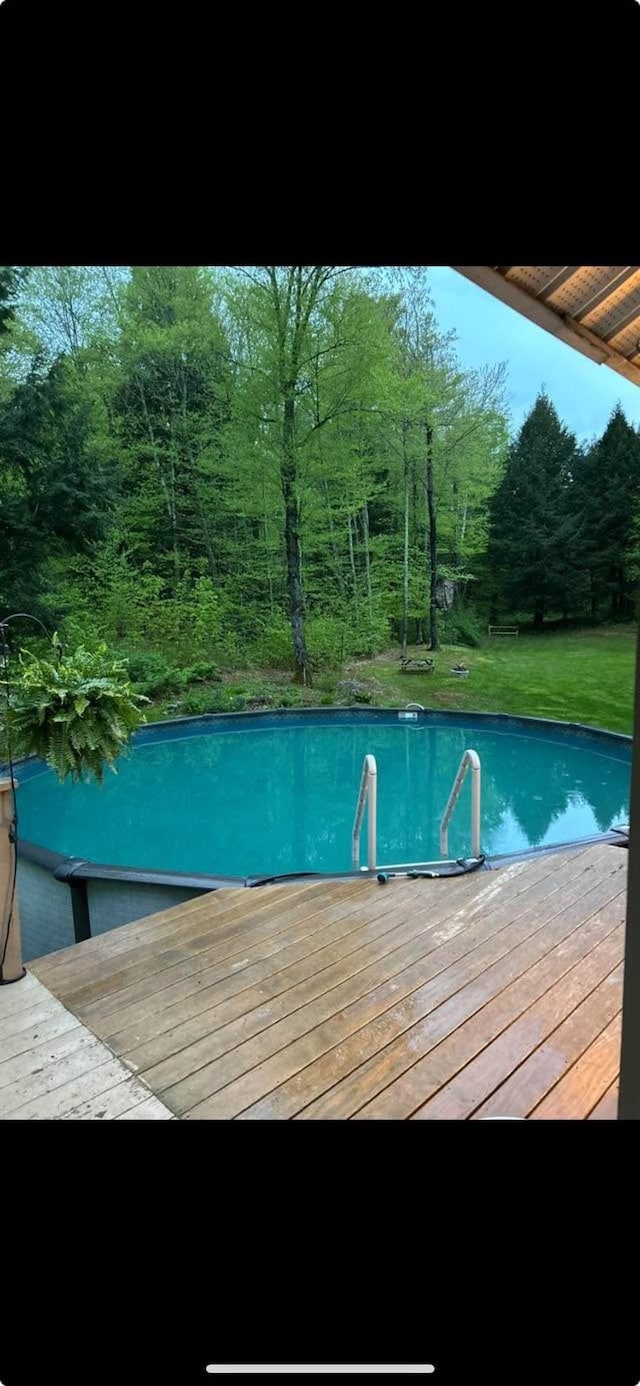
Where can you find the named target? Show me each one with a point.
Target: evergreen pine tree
(530, 525)
(607, 491)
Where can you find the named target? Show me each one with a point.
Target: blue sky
(487, 331)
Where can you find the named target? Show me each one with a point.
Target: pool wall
(64, 900)
(53, 917)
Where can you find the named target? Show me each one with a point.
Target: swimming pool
(275, 793)
(200, 803)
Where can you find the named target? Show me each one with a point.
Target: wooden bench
(503, 630)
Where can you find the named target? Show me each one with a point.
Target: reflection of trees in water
(494, 800)
(440, 753)
(544, 782)
(608, 793)
(538, 788)
(295, 793)
(254, 801)
(411, 818)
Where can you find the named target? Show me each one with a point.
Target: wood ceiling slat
(594, 301)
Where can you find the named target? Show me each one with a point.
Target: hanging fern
(77, 713)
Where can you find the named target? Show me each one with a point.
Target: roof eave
(559, 325)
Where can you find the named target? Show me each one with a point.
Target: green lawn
(575, 677)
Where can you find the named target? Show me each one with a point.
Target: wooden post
(12, 969)
(629, 1097)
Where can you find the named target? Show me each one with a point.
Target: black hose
(252, 881)
(466, 865)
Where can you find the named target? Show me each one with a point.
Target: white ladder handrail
(470, 761)
(368, 791)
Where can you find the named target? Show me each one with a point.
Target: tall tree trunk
(289, 480)
(168, 491)
(269, 573)
(267, 551)
(455, 556)
(405, 561)
(414, 528)
(367, 557)
(174, 524)
(206, 533)
(464, 525)
(354, 575)
(337, 566)
(538, 616)
(191, 462)
(613, 600)
(434, 643)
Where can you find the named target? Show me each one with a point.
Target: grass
(577, 676)
(573, 677)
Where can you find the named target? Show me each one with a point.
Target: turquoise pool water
(277, 794)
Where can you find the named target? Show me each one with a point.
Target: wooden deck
(493, 994)
(52, 1066)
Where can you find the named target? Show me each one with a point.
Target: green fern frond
(78, 714)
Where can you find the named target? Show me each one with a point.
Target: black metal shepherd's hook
(18, 616)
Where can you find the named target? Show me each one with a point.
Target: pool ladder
(368, 795)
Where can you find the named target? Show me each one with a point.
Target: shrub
(351, 691)
(216, 700)
(272, 647)
(461, 627)
(199, 673)
(151, 673)
(371, 635)
(327, 641)
(207, 614)
(287, 697)
(76, 714)
(334, 639)
(326, 684)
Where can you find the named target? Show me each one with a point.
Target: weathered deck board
(335, 923)
(342, 931)
(396, 1079)
(607, 1108)
(565, 1044)
(502, 1070)
(586, 1082)
(490, 994)
(52, 1066)
(446, 1043)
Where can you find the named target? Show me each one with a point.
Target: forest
(285, 469)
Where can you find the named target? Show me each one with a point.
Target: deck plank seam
(238, 1077)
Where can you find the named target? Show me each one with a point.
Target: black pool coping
(77, 870)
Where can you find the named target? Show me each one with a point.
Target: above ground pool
(275, 793)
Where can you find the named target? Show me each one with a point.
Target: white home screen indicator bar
(320, 1369)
